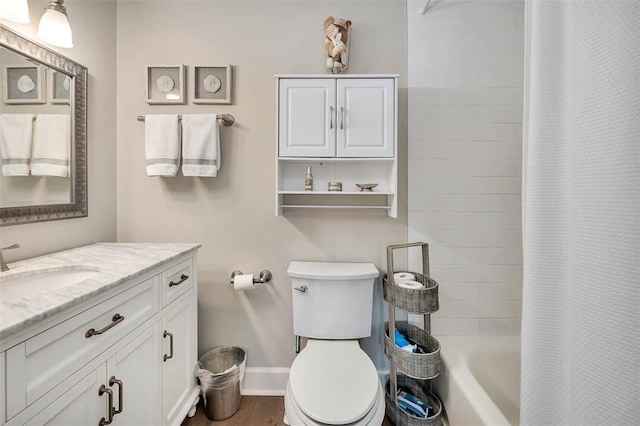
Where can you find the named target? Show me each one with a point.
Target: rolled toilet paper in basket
(403, 276)
(243, 282)
(412, 284)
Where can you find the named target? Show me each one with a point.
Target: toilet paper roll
(410, 284)
(243, 282)
(403, 276)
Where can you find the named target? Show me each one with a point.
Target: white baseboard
(265, 381)
(273, 381)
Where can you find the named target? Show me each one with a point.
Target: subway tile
(502, 327)
(453, 78)
(503, 77)
(464, 185)
(465, 149)
(479, 309)
(500, 291)
(468, 238)
(467, 131)
(464, 114)
(441, 326)
(457, 291)
(418, 95)
(462, 167)
(472, 256)
(465, 220)
(481, 274)
(483, 203)
(426, 202)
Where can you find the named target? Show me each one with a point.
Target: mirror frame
(78, 173)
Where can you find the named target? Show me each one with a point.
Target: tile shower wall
(465, 75)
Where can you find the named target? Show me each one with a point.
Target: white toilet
(332, 381)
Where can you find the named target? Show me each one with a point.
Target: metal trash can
(220, 371)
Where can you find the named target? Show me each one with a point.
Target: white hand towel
(51, 145)
(162, 144)
(16, 131)
(200, 145)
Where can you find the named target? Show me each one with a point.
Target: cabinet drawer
(176, 281)
(40, 363)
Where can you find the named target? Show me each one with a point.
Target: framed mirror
(43, 133)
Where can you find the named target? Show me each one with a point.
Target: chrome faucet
(3, 264)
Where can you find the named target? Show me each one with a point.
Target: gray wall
(94, 31)
(232, 215)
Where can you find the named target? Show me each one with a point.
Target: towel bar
(227, 119)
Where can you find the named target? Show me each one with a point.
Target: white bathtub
(480, 384)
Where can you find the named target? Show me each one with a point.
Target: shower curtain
(581, 204)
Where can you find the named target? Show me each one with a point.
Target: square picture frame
(165, 84)
(60, 86)
(212, 84)
(23, 84)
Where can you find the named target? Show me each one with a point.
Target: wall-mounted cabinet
(345, 128)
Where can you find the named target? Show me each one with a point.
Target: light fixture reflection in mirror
(15, 10)
(54, 26)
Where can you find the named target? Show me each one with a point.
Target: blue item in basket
(403, 343)
(412, 405)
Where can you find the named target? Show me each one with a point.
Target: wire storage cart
(410, 371)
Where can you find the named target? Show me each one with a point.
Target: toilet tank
(332, 300)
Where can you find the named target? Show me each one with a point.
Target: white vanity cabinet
(124, 358)
(345, 128)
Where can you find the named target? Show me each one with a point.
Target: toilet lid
(334, 381)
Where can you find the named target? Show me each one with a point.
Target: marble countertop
(117, 263)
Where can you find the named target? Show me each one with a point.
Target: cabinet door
(307, 117)
(133, 374)
(366, 117)
(81, 405)
(179, 332)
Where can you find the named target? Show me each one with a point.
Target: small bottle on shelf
(308, 180)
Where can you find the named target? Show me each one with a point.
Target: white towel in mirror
(200, 145)
(16, 131)
(51, 145)
(162, 144)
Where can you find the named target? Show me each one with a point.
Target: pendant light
(15, 10)
(54, 26)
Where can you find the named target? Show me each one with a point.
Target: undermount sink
(38, 281)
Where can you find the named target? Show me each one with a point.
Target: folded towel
(200, 145)
(16, 131)
(162, 144)
(51, 145)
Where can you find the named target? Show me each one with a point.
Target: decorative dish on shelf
(366, 187)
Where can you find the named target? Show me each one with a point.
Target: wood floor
(254, 411)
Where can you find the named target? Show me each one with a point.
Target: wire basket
(401, 418)
(418, 301)
(416, 365)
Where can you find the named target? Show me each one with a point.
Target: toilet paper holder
(264, 277)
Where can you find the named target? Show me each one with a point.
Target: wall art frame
(212, 84)
(165, 84)
(23, 84)
(59, 87)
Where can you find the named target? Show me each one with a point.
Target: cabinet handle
(164, 335)
(183, 278)
(103, 389)
(331, 117)
(341, 118)
(117, 319)
(113, 381)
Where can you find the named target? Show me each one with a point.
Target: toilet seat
(334, 382)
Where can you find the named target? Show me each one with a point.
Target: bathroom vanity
(111, 340)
